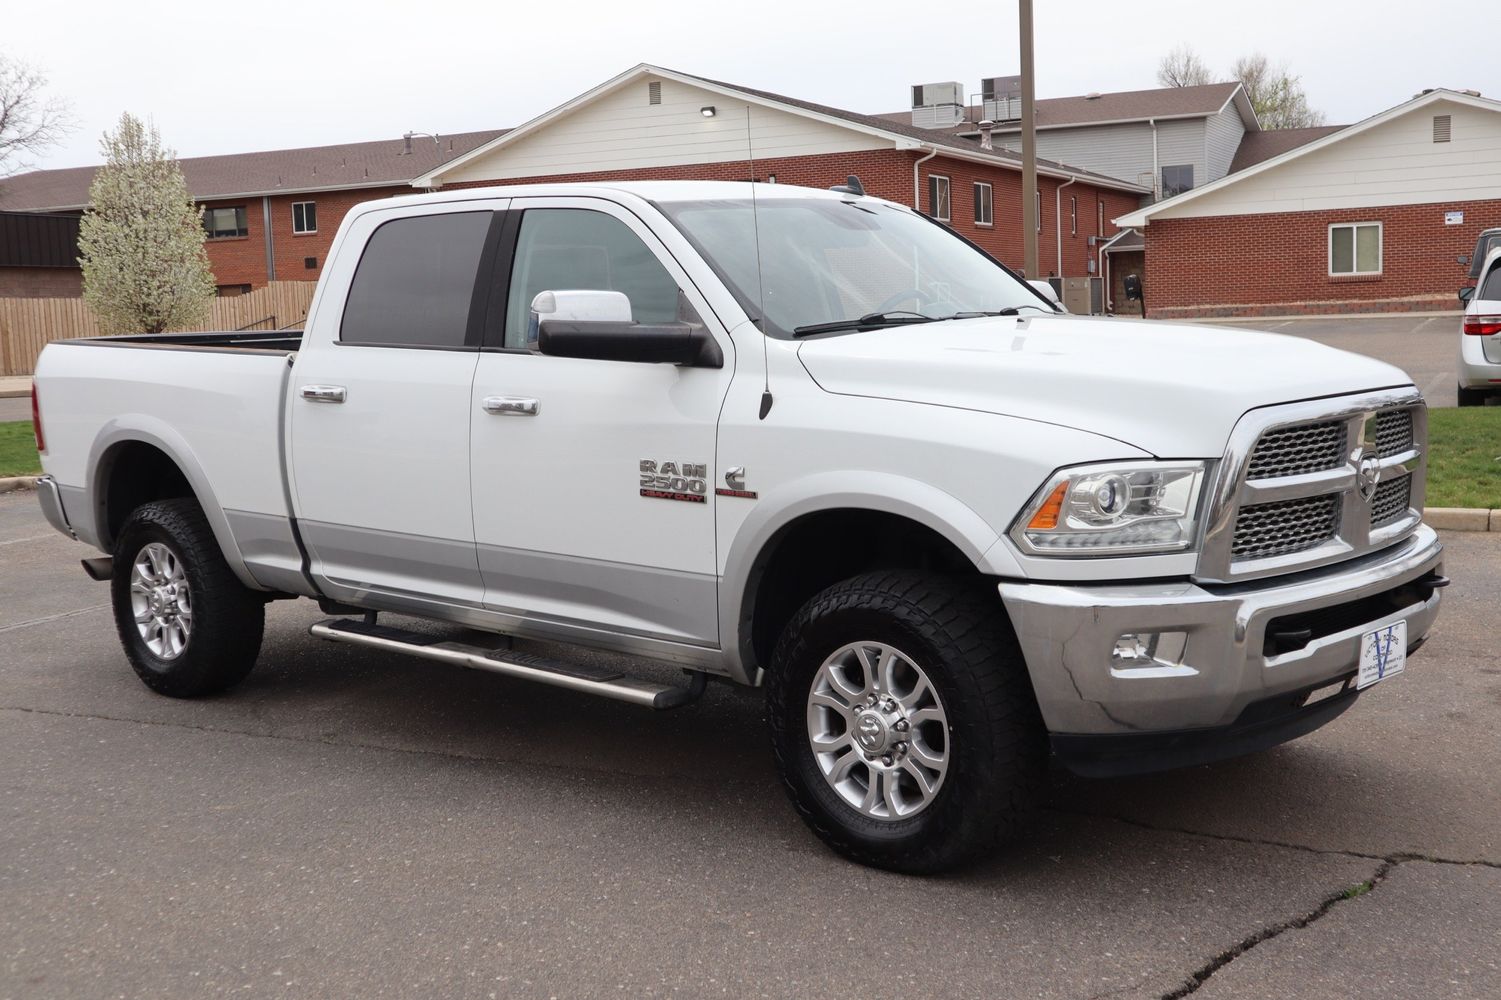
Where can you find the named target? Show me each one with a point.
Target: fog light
(1145, 649)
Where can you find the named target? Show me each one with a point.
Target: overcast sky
(227, 78)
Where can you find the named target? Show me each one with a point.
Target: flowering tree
(141, 241)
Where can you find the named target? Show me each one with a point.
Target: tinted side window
(1491, 287)
(415, 280)
(571, 249)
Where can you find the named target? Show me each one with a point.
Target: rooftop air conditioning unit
(1001, 98)
(937, 105)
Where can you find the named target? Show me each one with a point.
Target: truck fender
(150, 430)
(780, 506)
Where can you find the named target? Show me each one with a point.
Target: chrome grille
(1290, 493)
(1294, 451)
(1391, 501)
(1275, 529)
(1393, 432)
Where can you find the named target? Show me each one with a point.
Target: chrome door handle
(323, 393)
(510, 406)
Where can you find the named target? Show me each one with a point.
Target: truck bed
(275, 341)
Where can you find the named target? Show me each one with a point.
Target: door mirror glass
(1467, 293)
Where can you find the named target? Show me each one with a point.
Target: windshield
(831, 261)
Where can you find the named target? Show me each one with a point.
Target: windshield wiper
(870, 321)
(1008, 311)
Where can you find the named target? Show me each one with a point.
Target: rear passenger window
(574, 249)
(415, 280)
(1491, 287)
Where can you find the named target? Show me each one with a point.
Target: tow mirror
(1467, 293)
(1047, 291)
(599, 325)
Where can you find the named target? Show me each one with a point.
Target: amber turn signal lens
(1046, 517)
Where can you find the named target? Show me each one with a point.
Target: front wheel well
(133, 473)
(819, 550)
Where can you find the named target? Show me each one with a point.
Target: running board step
(559, 673)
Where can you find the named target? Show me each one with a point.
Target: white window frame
(935, 181)
(1039, 210)
(989, 202)
(304, 232)
(1354, 252)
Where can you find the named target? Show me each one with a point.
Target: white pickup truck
(808, 440)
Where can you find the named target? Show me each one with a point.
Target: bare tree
(1275, 93)
(1182, 67)
(30, 122)
(141, 241)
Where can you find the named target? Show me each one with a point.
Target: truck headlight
(1121, 508)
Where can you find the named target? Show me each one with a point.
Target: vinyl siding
(1125, 151)
(621, 131)
(1222, 135)
(1396, 163)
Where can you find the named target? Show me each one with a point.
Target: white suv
(1480, 341)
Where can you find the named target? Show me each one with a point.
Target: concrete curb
(1462, 518)
(18, 483)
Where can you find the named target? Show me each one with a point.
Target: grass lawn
(1464, 457)
(18, 455)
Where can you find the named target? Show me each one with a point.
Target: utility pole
(1029, 147)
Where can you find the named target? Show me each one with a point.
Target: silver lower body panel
(1067, 634)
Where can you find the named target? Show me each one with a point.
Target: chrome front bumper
(1068, 632)
(51, 501)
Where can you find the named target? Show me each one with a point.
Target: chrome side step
(559, 673)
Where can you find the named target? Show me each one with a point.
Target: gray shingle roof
(1125, 105)
(282, 171)
(1258, 146)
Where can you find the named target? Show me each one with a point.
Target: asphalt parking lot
(354, 824)
(1426, 347)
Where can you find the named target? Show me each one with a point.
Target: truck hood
(1169, 389)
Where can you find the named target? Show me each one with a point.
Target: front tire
(904, 723)
(189, 627)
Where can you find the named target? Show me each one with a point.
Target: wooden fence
(28, 325)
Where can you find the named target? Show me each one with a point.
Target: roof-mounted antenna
(851, 185)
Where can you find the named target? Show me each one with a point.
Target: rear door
(1484, 313)
(380, 405)
(593, 502)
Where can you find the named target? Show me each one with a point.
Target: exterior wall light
(707, 111)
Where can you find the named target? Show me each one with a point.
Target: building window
(1176, 180)
(1355, 248)
(227, 291)
(938, 197)
(1073, 216)
(984, 205)
(225, 223)
(304, 217)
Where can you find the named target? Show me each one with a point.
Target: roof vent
(1001, 98)
(1443, 128)
(654, 92)
(937, 105)
(1093, 95)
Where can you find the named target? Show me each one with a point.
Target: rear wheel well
(134, 473)
(819, 550)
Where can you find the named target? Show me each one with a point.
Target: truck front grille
(1274, 529)
(1307, 484)
(1294, 451)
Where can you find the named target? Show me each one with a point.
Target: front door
(593, 503)
(380, 407)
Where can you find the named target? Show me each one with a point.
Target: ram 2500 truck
(807, 440)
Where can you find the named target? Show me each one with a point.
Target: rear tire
(1472, 397)
(984, 736)
(189, 627)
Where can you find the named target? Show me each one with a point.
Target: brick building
(1367, 218)
(271, 215)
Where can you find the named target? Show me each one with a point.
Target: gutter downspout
(270, 251)
(1058, 224)
(1156, 170)
(917, 182)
